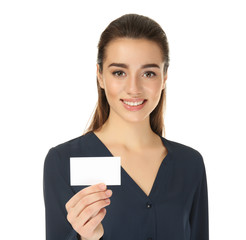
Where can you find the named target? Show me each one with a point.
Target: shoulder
(184, 155)
(75, 143)
(79, 146)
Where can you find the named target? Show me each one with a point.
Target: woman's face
(132, 71)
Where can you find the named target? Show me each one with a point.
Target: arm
(57, 192)
(199, 212)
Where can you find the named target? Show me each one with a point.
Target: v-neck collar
(130, 180)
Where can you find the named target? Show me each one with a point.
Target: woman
(163, 191)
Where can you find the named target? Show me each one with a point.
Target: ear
(164, 81)
(99, 77)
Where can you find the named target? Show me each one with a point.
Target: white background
(48, 92)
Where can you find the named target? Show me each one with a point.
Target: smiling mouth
(134, 103)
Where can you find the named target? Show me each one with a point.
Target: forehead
(133, 51)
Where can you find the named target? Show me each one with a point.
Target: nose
(133, 85)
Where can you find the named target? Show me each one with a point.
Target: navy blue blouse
(175, 209)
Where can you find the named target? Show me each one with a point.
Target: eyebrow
(150, 65)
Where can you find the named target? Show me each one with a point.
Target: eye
(117, 73)
(149, 74)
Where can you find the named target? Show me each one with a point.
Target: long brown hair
(137, 27)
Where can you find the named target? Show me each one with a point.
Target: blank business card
(94, 170)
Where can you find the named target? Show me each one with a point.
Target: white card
(94, 170)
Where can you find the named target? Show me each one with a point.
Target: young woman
(163, 191)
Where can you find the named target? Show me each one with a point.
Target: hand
(86, 211)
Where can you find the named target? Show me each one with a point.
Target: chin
(131, 119)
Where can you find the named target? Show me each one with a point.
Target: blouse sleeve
(199, 222)
(57, 192)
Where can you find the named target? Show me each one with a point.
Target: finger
(90, 211)
(88, 200)
(88, 229)
(88, 190)
(93, 223)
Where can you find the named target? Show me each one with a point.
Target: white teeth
(133, 103)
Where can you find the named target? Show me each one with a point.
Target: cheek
(113, 88)
(154, 90)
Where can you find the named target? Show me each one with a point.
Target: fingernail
(108, 192)
(107, 201)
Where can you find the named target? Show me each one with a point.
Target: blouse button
(148, 205)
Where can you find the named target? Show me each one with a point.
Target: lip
(134, 108)
(133, 99)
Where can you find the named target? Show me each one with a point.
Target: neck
(132, 135)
